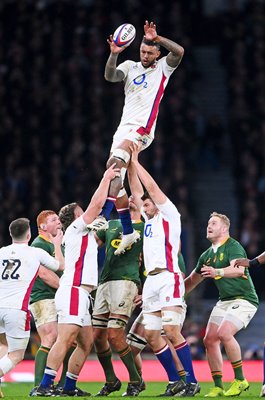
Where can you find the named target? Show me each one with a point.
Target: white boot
(100, 223)
(126, 241)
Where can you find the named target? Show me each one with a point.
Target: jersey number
(10, 269)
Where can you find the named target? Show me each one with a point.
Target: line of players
(163, 292)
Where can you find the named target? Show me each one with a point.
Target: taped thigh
(99, 322)
(171, 318)
(117, 323)
(152, 322)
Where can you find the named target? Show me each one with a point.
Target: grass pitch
(20, 391)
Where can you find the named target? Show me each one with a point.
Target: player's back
(19, 266)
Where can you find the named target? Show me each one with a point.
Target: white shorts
(240, 312)
(16, 325)
(115, 297)
(73, 305)
(129, 132)
(162, 290)
(43, 311)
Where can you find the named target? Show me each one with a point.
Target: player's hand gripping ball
(124, 35)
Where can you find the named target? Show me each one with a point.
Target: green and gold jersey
(41, 290)
(229, 288)
(127, 265)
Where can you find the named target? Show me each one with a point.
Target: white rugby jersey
(19, 266)
(81, 267)
(162, 239)
(144, 89)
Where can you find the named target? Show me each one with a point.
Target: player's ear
(43, 226)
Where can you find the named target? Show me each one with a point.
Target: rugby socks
(65, 366)
(125, 218)
(40, 363)
(48, 377)
(217, 378)
(184, 354)
(238, 370)
(126, 357)
(182, 374)
(164, 355)
(105, 360)
(264, 364)
(108, 206)
(70, 381)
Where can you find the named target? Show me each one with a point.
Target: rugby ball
(124, 35)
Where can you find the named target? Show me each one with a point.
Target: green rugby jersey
(125, 266)
(41, 290)
(229, 288)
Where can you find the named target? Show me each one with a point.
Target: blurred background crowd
(58, 114)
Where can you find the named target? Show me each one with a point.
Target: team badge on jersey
(221, 257)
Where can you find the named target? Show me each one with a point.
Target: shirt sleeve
(125, 67)
(168, 209)
(166, 68)
(47, 260)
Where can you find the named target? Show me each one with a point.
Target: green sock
(65, 366)
(238, 370)
(126, 357)
(217, 378)
(105, 360)
(182, 374)
(40, 364)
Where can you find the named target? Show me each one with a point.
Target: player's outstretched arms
(176, 51)
(229, 272)
(192, 281)
(251, 263)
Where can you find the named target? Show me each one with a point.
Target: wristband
(254, 262)
(220, 272)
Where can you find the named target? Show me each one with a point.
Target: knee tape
(171, 318)
(101, 323)
(121, 155)
(117, 323)
(6, 364)
(152, 322)
(136, 340)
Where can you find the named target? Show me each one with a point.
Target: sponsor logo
(234, 307)
(121, 303)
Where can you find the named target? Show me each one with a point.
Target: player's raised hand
(112, 172)
(135, 150)
(150, 32)
(114, 49)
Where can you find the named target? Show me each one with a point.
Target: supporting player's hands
(114, 49)
(241, 262)
(150, 32)
(112, 172)
(135, 150)
(137, 301)
(208, 272)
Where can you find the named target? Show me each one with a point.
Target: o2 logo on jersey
(139, 80)
(148, 231)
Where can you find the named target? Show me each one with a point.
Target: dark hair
(18, 228)
(67, 215)
(151, 43)
(146, 196)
